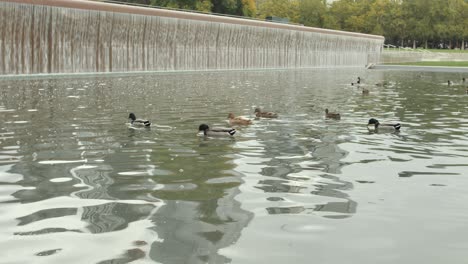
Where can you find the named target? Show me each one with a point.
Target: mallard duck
(382, 83)
(332, 115)
(259, 113)
(365, 91)
(216, 131)
(238, 120)
(357, 82)
(138, 122)
(375, 125)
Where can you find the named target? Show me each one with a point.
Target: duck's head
(203, 127)
(374, 122)
(231, 115)
(132, 116)
(257, 110)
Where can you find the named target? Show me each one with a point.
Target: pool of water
(77, 185)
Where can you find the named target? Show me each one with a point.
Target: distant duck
(365, 91)
(382, 83)
(449, 82)
(375, 125)
(463, 80)
(357, 82)
(239, 120)
(332, 115)
(259, 113)
(216, 131)
(138, 122)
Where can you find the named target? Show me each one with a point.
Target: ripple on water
(53, 162)
(299, 173)
(304, 228)
(62, 179)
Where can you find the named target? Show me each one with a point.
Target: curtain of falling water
(45, 39)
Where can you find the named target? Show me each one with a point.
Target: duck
(238, 120)
(138, 122)
(382, 83)
(332, 115)
(365, 91)
(449, 82)
(259, 113)
(357, 82)
(216, 131)
(375, 125)
(463, 80)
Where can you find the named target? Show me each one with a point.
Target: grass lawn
(434, 63)
(430, 50)
(448, 50)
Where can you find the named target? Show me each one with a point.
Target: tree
(392, 20)
(280, 8)
(312, 13)
(249, 8)
(463, 21)
(226, 7)
(344, 12)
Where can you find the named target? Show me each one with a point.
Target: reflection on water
(72, 173)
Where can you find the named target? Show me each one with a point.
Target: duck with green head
(138, 122)
(357, 82)
(216, 131)
(375, 125)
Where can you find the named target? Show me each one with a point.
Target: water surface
(78, 186)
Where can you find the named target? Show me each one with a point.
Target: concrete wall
(71, 36)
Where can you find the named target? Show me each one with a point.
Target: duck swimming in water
(332, 115)
(357, 82)
(375, 125)
(138, 122)
(365, 91)
(382, 83)
(259, 113)
(216, 131)
(238, 120)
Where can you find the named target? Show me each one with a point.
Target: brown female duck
(258, 113)
(238, 120)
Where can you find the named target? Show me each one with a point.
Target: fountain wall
(64, 36)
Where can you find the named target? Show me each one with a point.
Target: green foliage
(280, 8)
(204, 6)
(419, 22)
(313, 13)
(249, 8)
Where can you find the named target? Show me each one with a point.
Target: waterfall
(53, 39)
